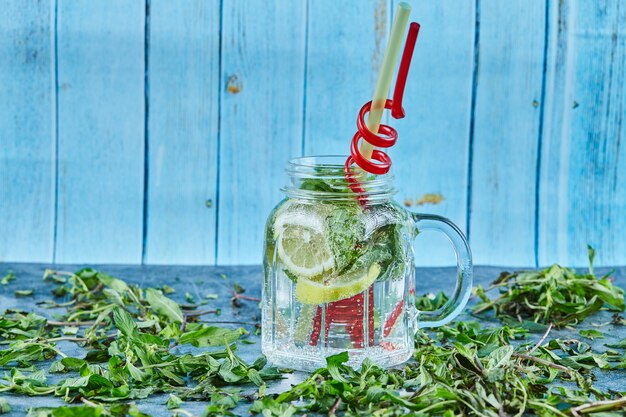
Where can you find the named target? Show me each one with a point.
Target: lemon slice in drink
(301, 245)
(344, 286)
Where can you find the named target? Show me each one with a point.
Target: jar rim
(322, 177)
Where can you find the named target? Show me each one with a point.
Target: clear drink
(338, 270)
(361, 311)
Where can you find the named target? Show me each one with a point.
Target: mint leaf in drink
(334, 182)
(386, 244)
(293, 277)
(384, 248)
(344, 232)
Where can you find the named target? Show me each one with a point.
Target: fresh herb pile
(131, 336)
(554, 295)
(470, 371)
(140, 342)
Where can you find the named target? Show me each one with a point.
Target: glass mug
(339, 270)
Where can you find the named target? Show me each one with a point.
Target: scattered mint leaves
(89, 410)
(555, 294)
(465, 370)
(133, 337)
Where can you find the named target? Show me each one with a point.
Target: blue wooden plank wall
(182, 92)
(155, 131)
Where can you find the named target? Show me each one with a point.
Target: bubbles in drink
(335, 279)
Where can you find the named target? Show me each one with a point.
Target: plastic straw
(386, 74)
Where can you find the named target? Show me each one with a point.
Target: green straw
(386, 74)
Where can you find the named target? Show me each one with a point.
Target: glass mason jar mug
(339, 272)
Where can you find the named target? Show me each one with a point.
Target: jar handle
(455, 305)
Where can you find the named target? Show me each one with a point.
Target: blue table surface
(201, 280)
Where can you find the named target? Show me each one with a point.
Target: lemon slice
(344, 286)
(301, 244)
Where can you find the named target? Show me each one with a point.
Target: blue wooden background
(157, 131)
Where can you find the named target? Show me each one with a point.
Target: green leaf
(67, 365)
(591, 334)
(255, 377)
(344, 231)
(335, 366)
(64, 411)
(163, 306)
(24, 293)
(4, 406)
(167, 289)
(620, 345)
(211, 336)
(135, 373)
(337, 359)
(500, 357)
(173, 401)
(124, 322)
(591, 253)
(113, 283)
(22, 352)
(430, 302)
(7, 278)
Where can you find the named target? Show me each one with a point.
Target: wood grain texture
(27, 131)
(506, 131)
(532, 153)
(583, 177)
(263, 45)
(101, 124)
(182, 131)
(346, 43)
(431, 154)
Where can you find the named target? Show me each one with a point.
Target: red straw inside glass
(351, 310)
